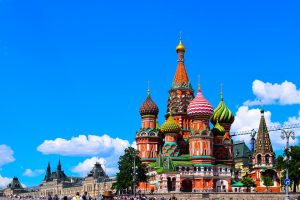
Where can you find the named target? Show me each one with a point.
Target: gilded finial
(180, 46)
(199, 88)
(148, 88)
(221, 91)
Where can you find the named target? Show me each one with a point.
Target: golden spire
(180, 46)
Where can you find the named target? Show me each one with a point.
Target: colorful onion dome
(218, 129)
(222, 114)
(149, 107)
(200, 105)
(180, 46)
(170, 126)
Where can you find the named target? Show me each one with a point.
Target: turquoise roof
(201, 157)
(203, 165)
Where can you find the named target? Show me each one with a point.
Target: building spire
(148, 88)
(181, 78)
(199, 87)
(59, 165)
(221, 91)
(263, 142)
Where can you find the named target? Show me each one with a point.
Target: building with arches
(185, 153)
(263, 159)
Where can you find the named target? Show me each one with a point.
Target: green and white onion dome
(222, 114)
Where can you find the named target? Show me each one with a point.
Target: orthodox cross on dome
(221, 91)
(199, 88)
(148, 88)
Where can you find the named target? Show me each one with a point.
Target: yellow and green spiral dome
(170, 126)
(222, 114)
(218, 129)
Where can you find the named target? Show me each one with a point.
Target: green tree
(125, 175)
(294, 165)
(248, 183)
(268, 181)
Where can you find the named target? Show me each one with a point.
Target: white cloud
(133, 145)
(103, 149)
(86, 166)
(247, 119)
(267, 93)
(4, 181)
(33, 173)
(6, 155)
(82, 145)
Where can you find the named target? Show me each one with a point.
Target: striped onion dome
(170, 126)
(222, 114)
(218, 129)
(200, 106)
(149, 107)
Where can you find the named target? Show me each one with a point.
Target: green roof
(15, 184)
(237, 184)
(241, 150)
(182, 163)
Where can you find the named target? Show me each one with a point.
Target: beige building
(56, 182)
(14, 188)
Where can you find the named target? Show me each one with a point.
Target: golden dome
(180, 46)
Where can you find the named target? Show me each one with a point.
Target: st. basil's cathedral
(184, 153)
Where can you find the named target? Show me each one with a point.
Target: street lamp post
(287, 134)
(134, 172)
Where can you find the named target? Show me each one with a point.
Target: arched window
(259, 159)
(267, 158)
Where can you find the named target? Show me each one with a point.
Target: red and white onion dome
(200, 106)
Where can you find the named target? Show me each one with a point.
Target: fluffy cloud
(247, 119)
(4, 181)
(6, 155)
(33, 173)
(285, 93)
(103, 149)
(82, 145)
(84, 167)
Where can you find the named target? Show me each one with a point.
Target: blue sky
(71, 68)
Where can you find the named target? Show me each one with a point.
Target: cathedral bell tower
(180, 96)
(263, 155)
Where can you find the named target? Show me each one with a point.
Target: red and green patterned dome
(222, 114)
(200, 106)
(149, 107)
(170, 126)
